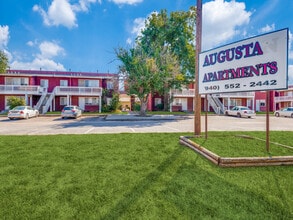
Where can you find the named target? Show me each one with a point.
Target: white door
(257, 105)
(184, 104)
(81, 102)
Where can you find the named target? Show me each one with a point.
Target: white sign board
(258, 63)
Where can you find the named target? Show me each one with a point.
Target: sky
(82, 35)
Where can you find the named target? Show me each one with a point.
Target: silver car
(71, 111)
(285, 112)
(240, 111)
(22, 112)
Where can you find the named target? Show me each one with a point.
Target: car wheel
(226, 113)
(11, 118)
(292, 115)
(26, 116)
(277, 114)
(238, 115)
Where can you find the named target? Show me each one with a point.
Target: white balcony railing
(64, 90)
(183, 92)
(284, 99)
(20, 89)
(190, 93)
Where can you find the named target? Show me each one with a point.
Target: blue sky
(81, 35)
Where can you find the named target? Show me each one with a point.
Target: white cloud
(4, 36)
(30, 43)
(126, 2)
(267, 28)
(61, 12)
(221, 20)
(50, 50)
(138, 26)
(44, 59)
(84, 5)
(36, 64)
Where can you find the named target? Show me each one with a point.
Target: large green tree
(163, 56)
(3, 62)
(140, 74)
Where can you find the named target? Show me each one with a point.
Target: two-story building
(52, 90)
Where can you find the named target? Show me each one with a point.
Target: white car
(22, 112)
(71, 111)
(286, 112)
(240, 111)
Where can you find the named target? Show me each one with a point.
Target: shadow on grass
(131, 197)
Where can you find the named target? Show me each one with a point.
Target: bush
(14, 101)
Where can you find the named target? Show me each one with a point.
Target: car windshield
(68, 108)
(19, 108)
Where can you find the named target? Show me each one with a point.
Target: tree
(163, 57)
(13, 101)
(140, 72)
(174, 34)
(3, 62)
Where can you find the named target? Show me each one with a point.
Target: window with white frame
(177, 101)
(63, 82)
(63, 100)
(16, 81)
(262, 103)
(158, 101)
(235, 102)
(88, 83)
(91, 101)
(110, 85)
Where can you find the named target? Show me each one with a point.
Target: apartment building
(52, 90)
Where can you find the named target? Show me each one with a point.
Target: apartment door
(81, 102)
(184, 104)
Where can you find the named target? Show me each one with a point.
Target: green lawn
(133, 176)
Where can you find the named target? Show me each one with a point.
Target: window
(63, 100)
(262, 103)
(88, 83)
(158, 101)
(177, 101)
(44, 83)
(91, 101)
(110, 85)
(63, 82)
(16, 81)
(235, 102)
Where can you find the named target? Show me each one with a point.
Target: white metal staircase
(216, 104)
(49, 101)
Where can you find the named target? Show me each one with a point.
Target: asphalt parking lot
(98, 125)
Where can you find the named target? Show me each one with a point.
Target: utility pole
(197, 97)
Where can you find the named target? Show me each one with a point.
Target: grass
(133, 176)
(247, 144)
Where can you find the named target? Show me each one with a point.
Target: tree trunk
(166, 101)
(143, 107)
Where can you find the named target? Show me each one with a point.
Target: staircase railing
(42, 98)
(49, 101)
(216, 104)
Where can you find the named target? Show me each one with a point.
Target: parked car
(22, 112)
(240, 111)
(71, 111)
(285, 112)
